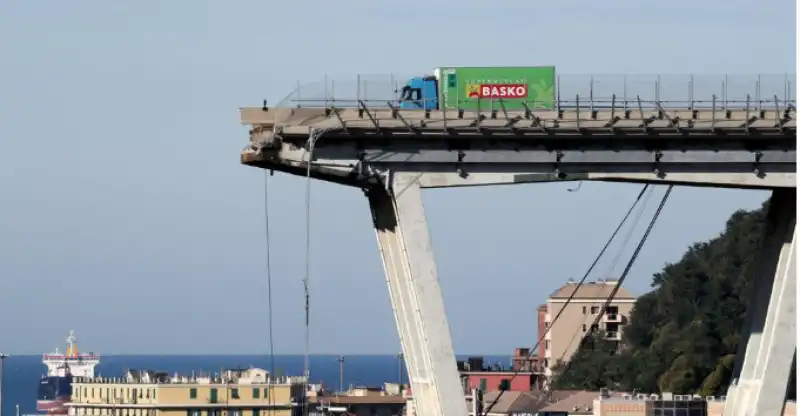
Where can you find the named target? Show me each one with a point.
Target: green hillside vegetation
(682, 335)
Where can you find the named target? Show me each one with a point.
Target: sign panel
(470, 88)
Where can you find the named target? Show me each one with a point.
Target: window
(256, 394)
(583, 327)
(235, 412)
(256, 412)
(483, 384)
(595, 310)
(192, 393)
(234, 393)
(547, 345)
(213, 395)
(192, 412)
(266, 393)
(505, 384)
(584, 310)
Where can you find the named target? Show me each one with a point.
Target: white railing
(723, 91)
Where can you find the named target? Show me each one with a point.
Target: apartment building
(577, 318)
(249, 392)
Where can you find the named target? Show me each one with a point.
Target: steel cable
(625, 272)
(572, 295)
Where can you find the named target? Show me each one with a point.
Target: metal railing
(592, 92)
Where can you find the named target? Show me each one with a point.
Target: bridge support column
(416, 297)
(769, 335)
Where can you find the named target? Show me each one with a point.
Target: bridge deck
(351, 122)
(732, 147)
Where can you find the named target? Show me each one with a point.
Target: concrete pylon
(408, 261)
(769, 334)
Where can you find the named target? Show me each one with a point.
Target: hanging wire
(572, 295)
(312, 140)
(628, 236)
(622, 247)
(625, 272)
(269, 289)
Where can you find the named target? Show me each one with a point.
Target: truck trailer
(481, 88)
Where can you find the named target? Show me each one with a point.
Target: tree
(598, 368)
(682, 335)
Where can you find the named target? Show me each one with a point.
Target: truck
(481, 88)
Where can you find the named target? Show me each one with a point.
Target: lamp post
(400, 367)
(2, 358)
(341, 373)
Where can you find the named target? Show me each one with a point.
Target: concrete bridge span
(393, 154)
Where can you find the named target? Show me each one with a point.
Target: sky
(126, 215)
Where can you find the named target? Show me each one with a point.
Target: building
(523, 360)
(510, 403)
(541, 315)
(476, 375)
(241, 392)
(622, 404)
(577, 318)
(390, 400)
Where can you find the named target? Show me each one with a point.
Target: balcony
(612, 317)
(614, 335)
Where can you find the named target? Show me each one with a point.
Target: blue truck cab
(420, 93)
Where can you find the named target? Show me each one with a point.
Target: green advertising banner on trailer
(471, 88)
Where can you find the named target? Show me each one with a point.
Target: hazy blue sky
(125, 214)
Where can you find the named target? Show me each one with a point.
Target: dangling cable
(312, 140)
(624, 244)
(572, 295)
(625, 272)
(269, 288)
(629, 234)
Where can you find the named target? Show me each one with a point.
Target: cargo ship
(55, 388)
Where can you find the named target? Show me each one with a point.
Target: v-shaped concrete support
(769, 337)
(410, 267)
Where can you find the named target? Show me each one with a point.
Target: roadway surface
(732, 148)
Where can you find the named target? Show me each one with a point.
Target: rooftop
(575, 402)
(512, 402)
(369, 399)
(591, 290)
(229, 377)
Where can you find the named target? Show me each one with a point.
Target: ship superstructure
(55, 388)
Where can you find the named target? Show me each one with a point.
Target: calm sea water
(22, 373)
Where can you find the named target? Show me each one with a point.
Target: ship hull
(53, 395)
(55, 389)
(53, 407)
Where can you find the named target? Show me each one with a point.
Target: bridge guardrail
(723, 91)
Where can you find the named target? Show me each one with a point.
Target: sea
(21, 373)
